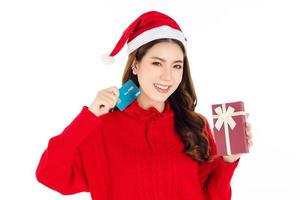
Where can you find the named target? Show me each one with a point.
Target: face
(159, 72)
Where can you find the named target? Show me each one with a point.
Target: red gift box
(230, 128)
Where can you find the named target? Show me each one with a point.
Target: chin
(161, 100)
(158, 97)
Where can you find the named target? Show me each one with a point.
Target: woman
(158, 147)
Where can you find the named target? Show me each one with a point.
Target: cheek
(177, 80)
(178, 77)
(146, 79)
(147, 73)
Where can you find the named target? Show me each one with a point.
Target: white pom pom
(107, 59)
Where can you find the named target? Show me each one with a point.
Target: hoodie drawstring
(148, 133)
(151, 117)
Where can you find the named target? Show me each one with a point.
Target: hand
(104, 101)
(235, 157)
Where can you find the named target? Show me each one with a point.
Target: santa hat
(147, 27)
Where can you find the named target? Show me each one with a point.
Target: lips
(162, 88)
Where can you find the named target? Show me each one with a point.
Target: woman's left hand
(235, 157)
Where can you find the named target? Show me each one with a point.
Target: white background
(239, 50)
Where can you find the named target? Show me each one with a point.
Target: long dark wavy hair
(188, 124)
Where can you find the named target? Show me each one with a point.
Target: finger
(114, 91)
(111, 95)
(248, 126)
(250, 143)
(104, 105)
(108, 100)
(247, 115)
(249, 134)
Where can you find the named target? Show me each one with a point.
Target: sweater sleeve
(217, 186)
(60, 166)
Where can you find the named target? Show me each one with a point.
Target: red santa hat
(147, 27)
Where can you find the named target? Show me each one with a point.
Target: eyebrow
(163, 60)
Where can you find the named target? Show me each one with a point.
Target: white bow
(225, 116)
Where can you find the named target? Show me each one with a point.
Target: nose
(166, 73)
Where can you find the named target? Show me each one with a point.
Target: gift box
(229, 128)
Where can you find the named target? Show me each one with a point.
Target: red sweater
(131, 155)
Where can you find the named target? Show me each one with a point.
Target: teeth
(161, 87)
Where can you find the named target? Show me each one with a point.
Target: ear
(136, 64)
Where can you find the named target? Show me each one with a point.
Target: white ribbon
(225, 117)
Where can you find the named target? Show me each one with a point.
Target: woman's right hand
(104, 101)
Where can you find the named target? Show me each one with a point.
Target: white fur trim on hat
(153, 34)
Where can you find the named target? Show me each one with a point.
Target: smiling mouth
(162, 88)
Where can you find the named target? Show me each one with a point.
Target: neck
(146, 104)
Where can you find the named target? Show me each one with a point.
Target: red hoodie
(131, 155)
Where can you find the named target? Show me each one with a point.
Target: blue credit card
(128, 93)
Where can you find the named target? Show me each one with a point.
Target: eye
(178, 66)
(156, 63)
